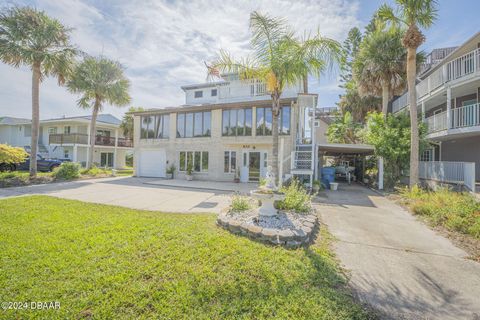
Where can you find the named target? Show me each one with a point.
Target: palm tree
(412, 14)
(100, 81)
(127, 122)
(279, 59)
(379, 67)
(31, 38)
(344, 129)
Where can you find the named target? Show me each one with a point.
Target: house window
(237, 122)
(264, 121)
(229, 161)
(106, 159)
(265, 160)
(66, 130)
(162, 126)
(155, 127)
(103, 133)
(198, 94)
(316, 123)
(66, 154)
(27, 132)
(197, 159)
(427, 155)
(214, 92)
(196, 124)
(52, 130)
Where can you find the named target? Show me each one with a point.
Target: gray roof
(105, 118)
(14, 121)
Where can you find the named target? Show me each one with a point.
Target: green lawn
(109, 262)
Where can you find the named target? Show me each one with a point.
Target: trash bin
(333, 186)
(328, 176)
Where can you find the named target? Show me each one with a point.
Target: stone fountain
(267, 194)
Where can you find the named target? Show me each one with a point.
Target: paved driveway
(131, 192)
(397, 264)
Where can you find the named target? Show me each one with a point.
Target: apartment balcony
(457, 70)
(80, 138)
(463, 119)
(250, 90)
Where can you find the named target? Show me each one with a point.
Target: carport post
(380, 173)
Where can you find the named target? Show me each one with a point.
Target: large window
(155, 127)
(264, 121)
(194, 124)
(198, 94)
(237, 122)
(197, 159)
(229, 161)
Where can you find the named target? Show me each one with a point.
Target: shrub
(296, 198)
(95, 171)
(68, 171)
(240, 203)
(452, 210)
(9, 154)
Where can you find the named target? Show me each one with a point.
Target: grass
(108, 262)
(455, 211)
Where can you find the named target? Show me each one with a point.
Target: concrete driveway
(131, 192)
(397, 264)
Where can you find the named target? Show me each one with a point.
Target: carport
(347, 151)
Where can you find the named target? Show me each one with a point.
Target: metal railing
(449, 172)
(81, 138)
(458, 68)
(466, 116)
(437, 122)
(301, 160)
(247, 88)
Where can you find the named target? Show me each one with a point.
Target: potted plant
(170, 171)
(316, 186)
(236, 179)
(189, 173)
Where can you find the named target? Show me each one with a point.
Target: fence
(449, 172)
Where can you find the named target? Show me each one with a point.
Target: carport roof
(345, 148)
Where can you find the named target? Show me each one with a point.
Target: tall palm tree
(279, 59)
(379, 67)
(31, 38)
(100, 81)
(412, 14)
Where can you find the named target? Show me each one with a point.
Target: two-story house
(225, 131)
(448, 98)
(68, 138)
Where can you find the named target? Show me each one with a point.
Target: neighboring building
(448, 99)
(225, 131)
(68, 138)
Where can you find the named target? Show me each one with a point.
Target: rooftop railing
(81, 138)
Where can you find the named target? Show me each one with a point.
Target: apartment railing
(453, 70)
(238, 89)
(81, 138)
(449, 172)
(466, 116)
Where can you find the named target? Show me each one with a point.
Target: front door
(106, 159)
(254, 166)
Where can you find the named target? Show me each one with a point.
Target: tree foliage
(11, 155)
(127, 122)
(391, 138)
(344, 129)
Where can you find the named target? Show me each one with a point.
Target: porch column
(423, 110)
(449, 108)
(88, 145)
(380, 173)
(75, 152)
(280, 165)
(115, 150)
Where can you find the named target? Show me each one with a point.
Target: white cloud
(163, 44)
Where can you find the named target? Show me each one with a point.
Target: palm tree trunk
(275, 115)
(35, 118)
(93, 131)
(412, 96)
(385, 98)
(305, 83)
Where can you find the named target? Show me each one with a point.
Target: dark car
(42, 165)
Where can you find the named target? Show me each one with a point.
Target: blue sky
(163, 44)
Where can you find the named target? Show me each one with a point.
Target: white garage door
(152, 163)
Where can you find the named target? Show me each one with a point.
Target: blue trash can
(328, 175)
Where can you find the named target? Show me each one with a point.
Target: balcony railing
(453, 70)
(466, 116)
(81, 138)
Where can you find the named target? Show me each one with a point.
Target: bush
(68, 171)
(96, 171)
(452, 210)
(9, 154)
(296, 198)
(240, 203)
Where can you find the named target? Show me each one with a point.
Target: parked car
(42, 165)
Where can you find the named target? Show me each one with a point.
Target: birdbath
(267, 195)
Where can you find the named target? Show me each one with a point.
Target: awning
(335, 149)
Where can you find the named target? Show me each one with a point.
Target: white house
(68, 138)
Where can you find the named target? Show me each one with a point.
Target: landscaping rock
(254, 230)
(309, 224)
(269, 233)
(286, 235)
(234, 226)
(307, 230)
(299, 234)
(292, 244)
